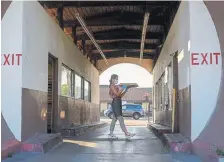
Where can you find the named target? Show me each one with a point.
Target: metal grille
(50, 97)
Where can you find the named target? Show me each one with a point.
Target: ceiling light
(144, 29)
(82, 23)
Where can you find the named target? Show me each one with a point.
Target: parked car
(129, 110)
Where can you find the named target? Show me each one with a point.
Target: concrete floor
(129, 121)
(96, 147)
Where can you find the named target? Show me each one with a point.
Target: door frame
(55, 113)
(175, 95)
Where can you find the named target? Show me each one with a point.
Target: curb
(172, 142)
(74, 131)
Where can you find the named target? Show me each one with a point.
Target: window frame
(71, 79)
(83, 88)
(73, 76)
(89, 90)
(76, 74)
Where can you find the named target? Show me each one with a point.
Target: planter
(221, 159)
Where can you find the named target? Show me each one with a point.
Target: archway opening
(128, 73)
(142, 95)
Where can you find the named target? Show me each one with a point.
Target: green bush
(10, 154)
(220, 152)
(64, 90)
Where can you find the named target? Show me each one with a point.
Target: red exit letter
(193, 59)
(216, 57)
(204, 58)
(211, 58)
(11, 59)
(6, 57)
(18, 56)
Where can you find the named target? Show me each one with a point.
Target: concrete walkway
(96, 147)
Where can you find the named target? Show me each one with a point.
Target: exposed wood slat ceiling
(117, 25)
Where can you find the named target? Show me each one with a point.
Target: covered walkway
(96, 147)
(53, 53)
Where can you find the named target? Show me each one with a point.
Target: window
(66, 81)
(157, 96)
(87, 91)
(78, 87)
(73, 85)
(166, 75)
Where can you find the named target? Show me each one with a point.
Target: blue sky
(128, 73)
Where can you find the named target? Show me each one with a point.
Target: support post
(60, 16)
(95, 61)
(83, 46)
(42, 3)
(90, 54)
(167, 23)
(74, 34)
(175, 113)
(92, 60)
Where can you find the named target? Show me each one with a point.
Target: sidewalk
(96, 147)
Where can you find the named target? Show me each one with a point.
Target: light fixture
(125, 54)
(62, 114)
(160, 45)
(82, 23)
(144, 29)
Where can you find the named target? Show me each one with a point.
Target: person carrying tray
(116, 92)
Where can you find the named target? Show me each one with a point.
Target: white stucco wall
(177, 39)
(193, 31)
(11, 81)
(205, 78)
(28, 30)
(42, 36)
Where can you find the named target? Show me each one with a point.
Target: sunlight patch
(82, 143)
(180, 56)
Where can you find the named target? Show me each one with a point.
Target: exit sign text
(11, 59)
(205, 58)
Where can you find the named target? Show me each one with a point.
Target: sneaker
(129, 135)
(112, 136)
